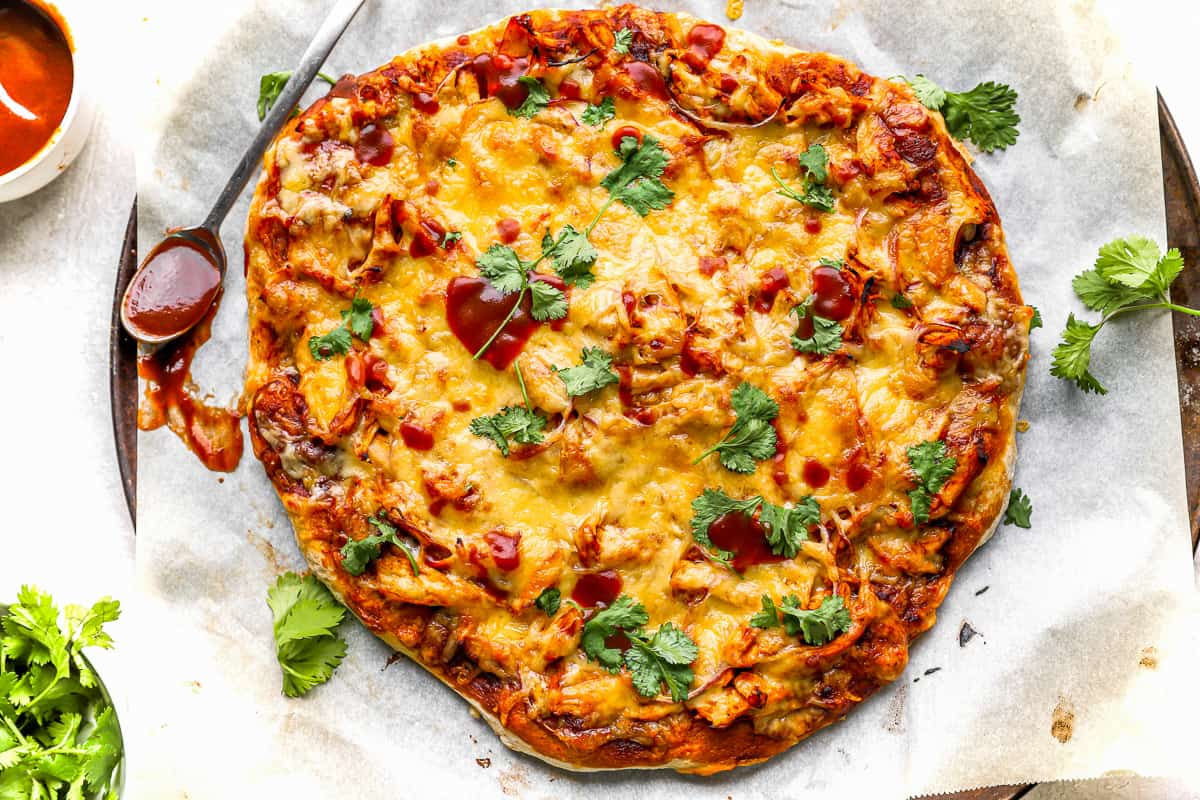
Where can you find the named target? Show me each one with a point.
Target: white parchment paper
(1086, 619)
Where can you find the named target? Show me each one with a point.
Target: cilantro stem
(588, 230)
(15, 731)
(513, 310)
(1148, 306)
(710, 451)
(521, 380)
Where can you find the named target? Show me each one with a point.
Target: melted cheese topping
(610, 488)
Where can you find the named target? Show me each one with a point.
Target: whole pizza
(644, 380)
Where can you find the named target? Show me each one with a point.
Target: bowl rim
(53, 10)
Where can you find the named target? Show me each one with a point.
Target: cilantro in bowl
(59, 736)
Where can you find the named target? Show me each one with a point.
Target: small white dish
(68, 140)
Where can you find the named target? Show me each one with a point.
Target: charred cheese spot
(689, 301)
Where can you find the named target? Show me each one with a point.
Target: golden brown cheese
(683, 300)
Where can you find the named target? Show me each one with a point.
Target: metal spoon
(178, 281)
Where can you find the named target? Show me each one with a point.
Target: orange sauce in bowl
(37, 73)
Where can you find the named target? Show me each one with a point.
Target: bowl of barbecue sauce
(45, 112)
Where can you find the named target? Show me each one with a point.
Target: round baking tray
(1181, 190)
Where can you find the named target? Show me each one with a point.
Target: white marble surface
(65, 523)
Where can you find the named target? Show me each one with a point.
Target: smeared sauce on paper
(171, 398)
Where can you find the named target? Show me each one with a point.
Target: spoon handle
(318, 50)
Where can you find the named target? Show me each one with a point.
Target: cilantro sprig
(519, 424)
(306, 640)
(535, 101)
(1020, 509)
(549, 601)
(785, 527)
(593, 373)
(818, 626)
(635, 183)
(357, 321)
(986, 115)
(826, 337)
(602, 112)
(621, 40)
(58, 734)
(752, 438)
(357, 554)
(270, 86)
(814, 166)
(1130, 274)
(932, 465)
(663, 657)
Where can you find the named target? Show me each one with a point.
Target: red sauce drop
(376, 378)
(508, 229)
(623, 132)
(426, 103)
(812, 224)
(644, 416)
(38, 73)
(474, 310)
(773, 281)
(704, 42)
(816, 474)
(834, 299)
(618, 641)
(463, 40)
(432, 187)
(858, 475)
(428, 238)
(504, 549)
(356, 371)
(345, 87)
(173, 289)
(498, 77)
(646, 79)
(728, 84)
(416, 436)
(710, 264)
(629, 300)
(211, 432)
(744, 537)
(377, 329)
(569, 89)
(597, 588)
(375, 145)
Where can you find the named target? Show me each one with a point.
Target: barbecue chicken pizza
(644, 380)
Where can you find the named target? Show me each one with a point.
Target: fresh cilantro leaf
(985, 114)
(929, 93)
(836, 263)
(549, 601)
(597, 115)
(1036, 320)
(899, 301)
(1020, 508)
(752, 438)
(625, 614)
(573, 256)
(271, 85)
(451, 237)
(593, 373)
(1136, 262)
(32, 633)
(307, 646)
(336, 342)
(664, 658)
(103, 748)
(549, 302)
(1073, 355)
(788, 527)
(502, 268)
(816, 195)
(621, 40)
(515, 423)
(636, 182)
(826, 337)
(357, 554)
(815, 163)
(451, 163)
(537, 99)
(359, 318)
(1100, 295)
(768, 617)
(932, 465)
(820, 625)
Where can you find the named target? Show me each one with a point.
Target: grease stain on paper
(1148, 658)
(1062, 721)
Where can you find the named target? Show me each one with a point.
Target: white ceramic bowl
(58, 153)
